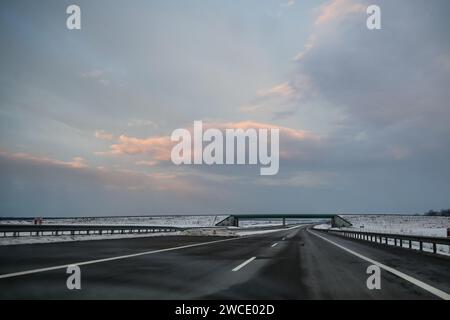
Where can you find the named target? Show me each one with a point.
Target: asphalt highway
(296, 263)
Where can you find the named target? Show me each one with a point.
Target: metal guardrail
(42, 230)
(397, 239)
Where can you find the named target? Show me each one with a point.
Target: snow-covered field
(410, 225)
(170, 221)
(396, 224)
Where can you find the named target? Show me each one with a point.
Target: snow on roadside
(324, 226)
(53, 239)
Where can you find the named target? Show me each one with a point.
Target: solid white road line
(21, 273)
(274, 244)
(243, 264)
(441, 294)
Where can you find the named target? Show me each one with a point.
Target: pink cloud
(281, 98)
(280, 90)
(158, 148)
(336, 9)
(111, 178)
(76, 163)
(154, 150)
(284, 131)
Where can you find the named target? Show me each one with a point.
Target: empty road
(297, 263)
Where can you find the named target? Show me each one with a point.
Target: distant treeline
(443, 212)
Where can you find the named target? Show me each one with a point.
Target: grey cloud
(387, 76)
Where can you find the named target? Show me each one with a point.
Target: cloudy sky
(86, 115)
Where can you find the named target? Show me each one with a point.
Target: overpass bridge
(233, 220)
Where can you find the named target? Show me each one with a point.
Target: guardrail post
(434, 248)
(420, 246)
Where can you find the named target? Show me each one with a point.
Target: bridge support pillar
(229, 221)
